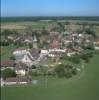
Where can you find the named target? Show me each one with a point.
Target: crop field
(83, 86)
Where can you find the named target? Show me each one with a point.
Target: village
(42, 53)
(49, 49)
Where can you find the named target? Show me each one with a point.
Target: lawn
(84, 86)
(6, 52)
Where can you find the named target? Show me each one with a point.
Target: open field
(84, 86)
(48, 25)
(24, 25)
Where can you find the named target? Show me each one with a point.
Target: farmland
(23, 25)
(36, 25)
(84, 86)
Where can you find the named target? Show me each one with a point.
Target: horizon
(50, 16)
(34, 8)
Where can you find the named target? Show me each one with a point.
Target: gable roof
(8, 63)
(17, 79)
(21, 48)
(20, 66)
(34, 52)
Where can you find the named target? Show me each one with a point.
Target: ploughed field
(83, 86)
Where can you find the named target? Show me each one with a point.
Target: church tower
(35, 42)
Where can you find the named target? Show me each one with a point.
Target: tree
(64, 71)
(89, 53)
(61, 26)
(90, 46)
(68, 71)
(85, 57)
(74, 71)
(8, 73)
(44, 31)
(7, 32)
(30, 45)
(70, 46)
(12, 57)
(75, 59)
(90, 32)
(4, 43)
(60, 70)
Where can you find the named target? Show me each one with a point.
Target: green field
(24, 25)
(84, 86)
(6, 52)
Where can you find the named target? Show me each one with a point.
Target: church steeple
(34, 41)
(34, 38)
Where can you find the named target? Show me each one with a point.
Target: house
(44, 38)
(70, 52)
(20, 55)
(77, 49)
(7, 64)
(20, 51)
(53, 33)
(30, 39)
(21, 69)
(96, 48)
(97, 42)
(56, 52)
(26, 56)
(44, 52)
(17, 80)
(81, 35)
(12, 37)
(65, 33)
(34, 53)
(67, 41)
(27, 39)
(56, 43)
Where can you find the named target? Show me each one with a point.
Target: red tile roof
(17, 79)
(9, 63)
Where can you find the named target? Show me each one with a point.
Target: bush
(60, 74)
(75, 59)
(74, 71)
(64, 71)
(68, 71)
(12, 57)
(68, 74)
(30, 45)
(8, 73)
(87, 55)
(4, 43)
(35, 73)
(60, 71)
(51, 73)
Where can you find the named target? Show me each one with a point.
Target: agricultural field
(36, 25)
(83, 86)
(24, 25)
